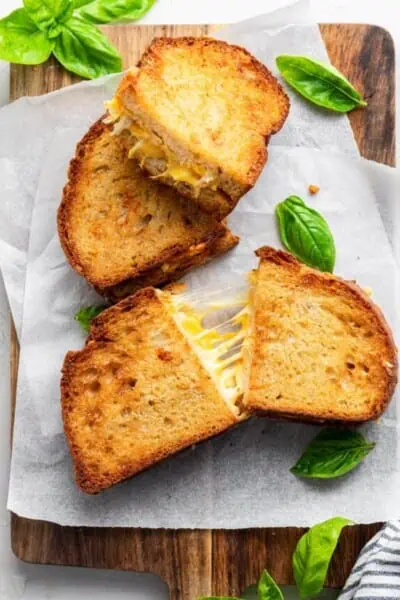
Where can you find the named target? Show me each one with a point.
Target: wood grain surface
(221, 562)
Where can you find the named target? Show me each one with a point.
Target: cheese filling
(145, 147)
(218, 348)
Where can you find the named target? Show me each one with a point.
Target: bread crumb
(313, 189)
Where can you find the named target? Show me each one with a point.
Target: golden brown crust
(135, 394)
(89, 251)
(176, 268)
(259, 68)
(354, 359)
(69, 192)
(236, 142)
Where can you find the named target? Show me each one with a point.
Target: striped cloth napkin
(376, 574)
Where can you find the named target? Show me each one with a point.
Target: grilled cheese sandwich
(146, 385)
(200, 113)
(121, 230)
(163, 370)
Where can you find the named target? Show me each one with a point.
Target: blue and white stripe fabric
(376, 574)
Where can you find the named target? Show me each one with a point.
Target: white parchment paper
(241, 479)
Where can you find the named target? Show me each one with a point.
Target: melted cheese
(219, 349)
(138, 131)
(115, 110)
(145, 148)
(183, 174)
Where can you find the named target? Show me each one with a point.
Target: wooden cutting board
(219, 562)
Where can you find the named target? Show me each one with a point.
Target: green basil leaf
(306, 234)
(319, 82)
(49, 13)
(86, 314)
(332, 453)
(21, 41)
(267, 588)
(313, 555)
(113, 11)
(83, 49)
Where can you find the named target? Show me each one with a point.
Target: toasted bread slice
(114, 222)
(136, 393)
(201, 112)
(319, 349)
(175, 268)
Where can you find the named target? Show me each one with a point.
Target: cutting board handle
(224, 562)
(197, 563)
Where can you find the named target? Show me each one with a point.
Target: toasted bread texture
(320, 350)
(114, 222)
(135, 394)
(212, 107)
(197, 255)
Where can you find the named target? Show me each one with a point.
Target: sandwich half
(200, 113)
(318, 349)
(116, 224)
(148, 384)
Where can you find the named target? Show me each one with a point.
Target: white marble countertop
(31, 582)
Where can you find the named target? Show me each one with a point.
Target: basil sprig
(332, 453)
(306, 234)
(85, 315)
(320, 83)
(313, 555)
(66, 28)
(266, 589)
